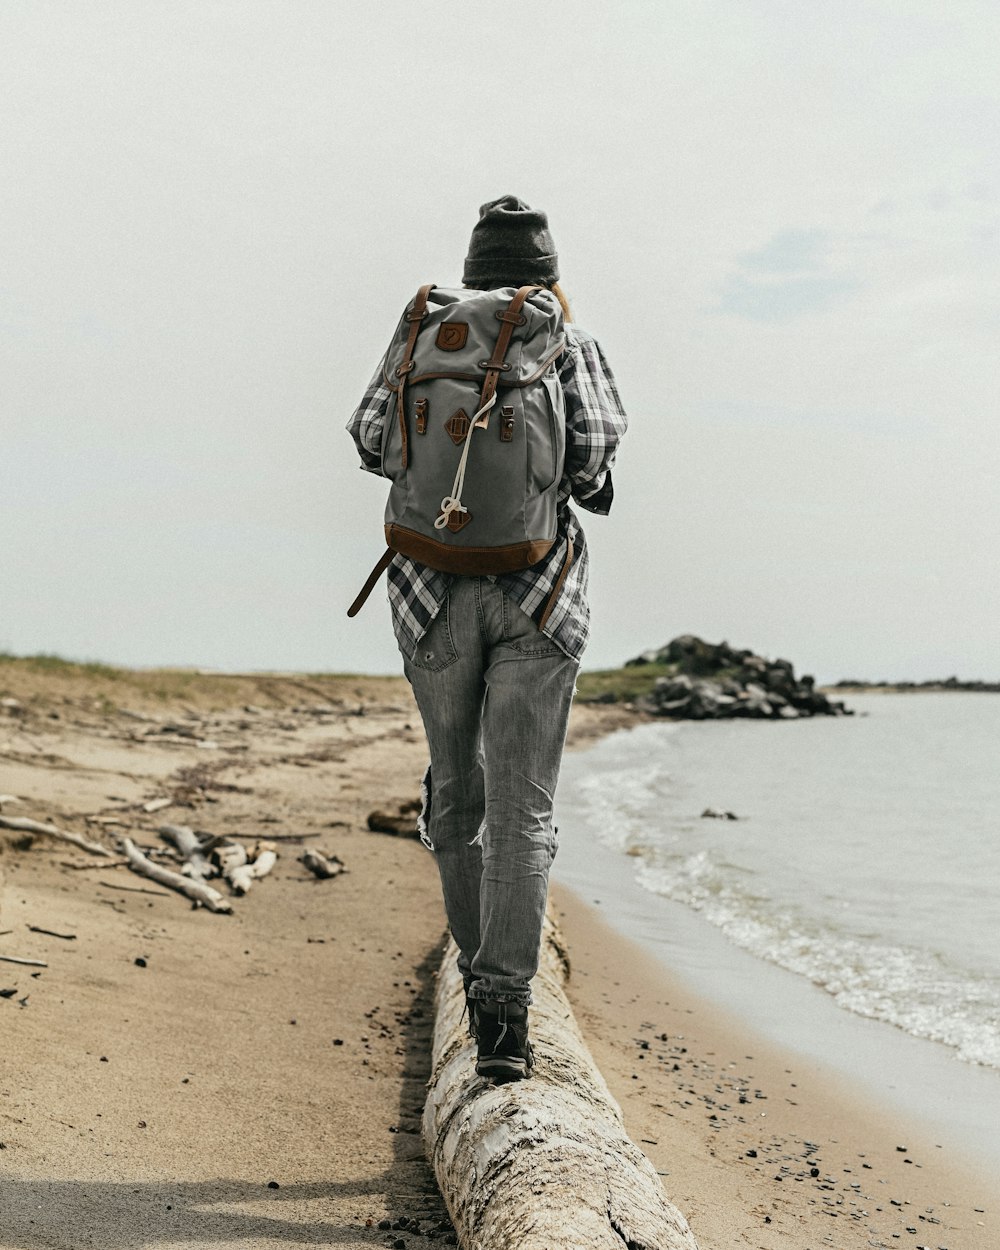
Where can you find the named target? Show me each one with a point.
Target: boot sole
(502, 1069)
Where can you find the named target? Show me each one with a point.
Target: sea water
(864, 858)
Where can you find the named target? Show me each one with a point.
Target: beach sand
(257, 1079)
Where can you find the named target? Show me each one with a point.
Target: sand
(176, 1078)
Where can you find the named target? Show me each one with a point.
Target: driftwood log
(196, 890)
(36, 826)
(543, 1164)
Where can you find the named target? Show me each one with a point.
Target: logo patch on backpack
(458, 520)
(451, 335)
(457, 427)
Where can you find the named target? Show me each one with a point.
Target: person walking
(493, 660)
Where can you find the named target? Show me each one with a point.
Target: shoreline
(955, 1100)
(289, 1043)
(713, 1089)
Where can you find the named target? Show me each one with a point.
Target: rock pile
(713, 680)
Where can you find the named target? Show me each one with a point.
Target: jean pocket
(436, 650)
(521, 632)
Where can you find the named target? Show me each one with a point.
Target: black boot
(502, 1036)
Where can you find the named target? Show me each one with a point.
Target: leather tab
(420, 408)
(458, 521)
(507, 423)
(457, 427)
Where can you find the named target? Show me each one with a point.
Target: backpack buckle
(405, 368)
(514, 319)
(503, 366)
(413, 315)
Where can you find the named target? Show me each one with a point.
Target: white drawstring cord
(453, 502)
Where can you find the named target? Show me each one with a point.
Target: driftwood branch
(192, 852)
(196, 890)
(133, 889)
(543, 1164)
(28, 963)
(35, 826)
(111, 863)
(66, 937)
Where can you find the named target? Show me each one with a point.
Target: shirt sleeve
(595, 422)
(368, 422)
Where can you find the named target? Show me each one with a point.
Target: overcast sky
(780, 219)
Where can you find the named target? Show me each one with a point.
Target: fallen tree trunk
(543, 1164)
(197, 890)
(36, 826)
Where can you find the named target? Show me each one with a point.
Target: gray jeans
(494, 694)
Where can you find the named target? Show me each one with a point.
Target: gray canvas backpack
(474, 438)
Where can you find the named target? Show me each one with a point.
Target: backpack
(474, 437)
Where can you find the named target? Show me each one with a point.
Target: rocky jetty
(708, 681)
(934, 685)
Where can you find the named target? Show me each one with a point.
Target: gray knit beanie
(511, 241)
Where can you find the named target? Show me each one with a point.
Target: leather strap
(369, 586)
(559, 583)
(496, 364)
(415, 317)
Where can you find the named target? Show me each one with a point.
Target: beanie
(511, 241)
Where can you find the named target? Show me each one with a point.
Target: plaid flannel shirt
(595, 422)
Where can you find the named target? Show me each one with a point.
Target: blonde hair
(560, 295)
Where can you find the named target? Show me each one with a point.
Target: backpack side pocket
(392, 458)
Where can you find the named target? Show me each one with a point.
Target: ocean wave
(916, 991)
